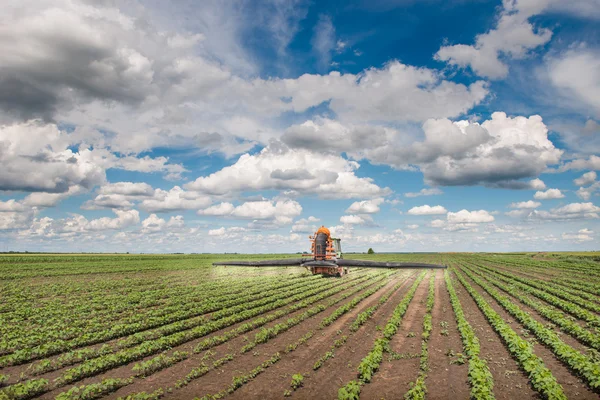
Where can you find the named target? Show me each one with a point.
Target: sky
(244, 125)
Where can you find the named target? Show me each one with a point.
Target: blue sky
(142, 126)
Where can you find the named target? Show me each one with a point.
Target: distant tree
(370, 251)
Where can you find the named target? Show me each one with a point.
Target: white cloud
(303, 172)
(497, 153)
(537, 184)
(583, 235)
(43, 199)
(522, 212)
(218, 209)
(586, 193)
(427, 210)
(263, 212)
(35, 158)
(592, 163)
(156, 224)
(412, 226)
(526, 204)
(365, 206)
(463, 221)
(173, 200)
(549, 194)
(124, 219)
(355, 219)
(513, 37)
(465, 216)
(281, 211)
(585, 179)
(305, 225)
(576, 74)
(569, 211)
(424, 192)
(323, 40)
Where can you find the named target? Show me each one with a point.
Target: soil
(573, 387)
(445, 380)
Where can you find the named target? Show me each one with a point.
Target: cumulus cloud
(15, 215)
(586, 193)
(576, 75)
(548, 194)
(365, 206)
(35, 158)
(220, 209)
(304, 172)
(465, 216)
(463, 220)
(567, 212)
(424, 192)
(583, 235)
(592, 163)
(355, 219)
(585, 179)
(530, 204)
(513, 37)
(305, 225)
(156, 224)
(173, 200)
(497, 153)
(427, 210)
(77, 225)
(279, 212)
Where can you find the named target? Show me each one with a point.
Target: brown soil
(216, 380)
(445, 380)
(573, 387)
(163, 378)
(509, 381)
(274, 382)
(324, 383)
(392, 379)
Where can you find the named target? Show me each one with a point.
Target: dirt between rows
(573, 387)
(150, 383)
(276, 379)
(325, 382)
(509, 381)
(392, 379)
(219, 379)
(445, 380)
(15, 371)
(565, 337)
(534, 276)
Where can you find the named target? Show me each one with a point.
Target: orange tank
(324, 230)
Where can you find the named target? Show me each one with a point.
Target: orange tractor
(326, 258)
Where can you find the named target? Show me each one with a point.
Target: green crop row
(552, 289)
(418, 388)
(566, 306)
(368, 313)
(267, 333)
(94, 390)
(120, 330)
(480, 377)
(552, 314)
(585, 367)
(539, 375)
(311, 296)
(370, 364)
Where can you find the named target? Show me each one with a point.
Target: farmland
(502, 326)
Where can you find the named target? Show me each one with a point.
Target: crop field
(503, 326)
